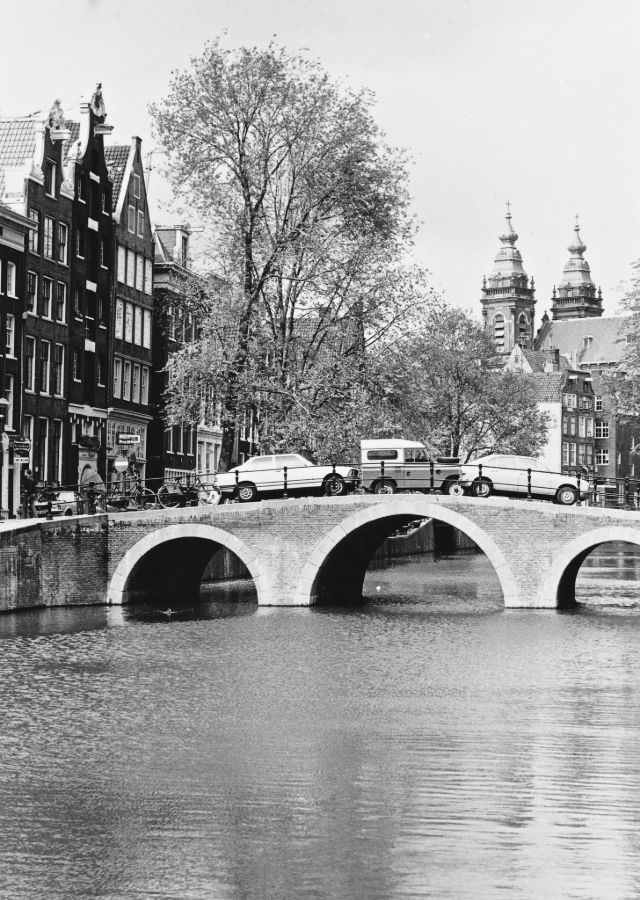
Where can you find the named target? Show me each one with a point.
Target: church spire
(576, 297)
(508, 296)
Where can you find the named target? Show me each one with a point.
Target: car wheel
(566, 495)
(453, 489)
(334, 486)
(385, 487)
(481, 488)
(247, 492)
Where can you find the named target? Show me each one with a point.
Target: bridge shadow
(602, 578)
(190, 577)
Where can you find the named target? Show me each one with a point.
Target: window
(41, 448)
(80, 242)
(131, 268)
(135, 384)
(131, 220)
(45, 308)
(43, 375)
(122, 264)
(168, 440)
(58, 371)
(498, 331)
(144, 385)
(585, 402)
(589, 458)
(571, 424)
(119, 331)
(185, 249)
(47, 237)
(148, 276)
(587, 340)
(582, 427)
(61, 302)
(572, 454)
(77, 365)
(565, 453)
(10, 335)
(63, 242)
(140, 223)
(50, 177)
(382, 454)
(32, 292)
(128, 323)
(29, 363)
(56, 440)
(570, 401)
(523, 330)
(103, 253)
(126, 380)
(34, 236)
(146, 331)
(11, 279)
(117, 377)
(602, 428)
(139, 272)
(100, 302)
(137, 331)
(602, 457)
(82, 187)
(580, 454)
(598, 404)
(77, 303)
(8, 395)
(27, 431)
(100, 364)
(589, 424)
(136, 186)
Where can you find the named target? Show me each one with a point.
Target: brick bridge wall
(298, 551)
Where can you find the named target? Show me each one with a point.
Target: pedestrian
(29, 490)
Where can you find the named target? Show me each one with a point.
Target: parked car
(388, 465)
(63, 503)
(265, 476)
(506, 474)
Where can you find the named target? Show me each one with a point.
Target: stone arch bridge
(299, 552)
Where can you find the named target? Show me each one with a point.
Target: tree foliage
(306, 212)
(450, 394)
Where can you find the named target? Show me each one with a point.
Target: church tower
(508, 302)
(576, 296)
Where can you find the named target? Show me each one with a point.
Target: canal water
(426, 744)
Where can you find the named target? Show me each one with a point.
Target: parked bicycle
(131, 494)
(187, 490)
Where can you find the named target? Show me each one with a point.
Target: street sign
(128, 440)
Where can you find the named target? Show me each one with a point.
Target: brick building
(130, 357)
(14, 232)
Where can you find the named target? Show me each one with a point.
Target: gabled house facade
(130, 353)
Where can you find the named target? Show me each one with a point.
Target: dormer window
(587, 341)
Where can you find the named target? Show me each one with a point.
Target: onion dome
(576, 272)
(508, 260)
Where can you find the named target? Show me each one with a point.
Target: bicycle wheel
(169, 494)
(147, 499)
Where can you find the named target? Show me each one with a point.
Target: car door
(416, 474)
(504, 474)
(299, 472)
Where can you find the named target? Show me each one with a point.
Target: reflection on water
(610, 577)
(424, 744)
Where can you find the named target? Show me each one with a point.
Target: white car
(265, 475)
(505, 474)
(63, 503)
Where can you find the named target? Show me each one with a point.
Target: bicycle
(131, 494)
(187, 490)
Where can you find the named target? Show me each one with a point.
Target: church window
(523, 330)
(498, 331)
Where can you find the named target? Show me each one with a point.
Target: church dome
(576, 272)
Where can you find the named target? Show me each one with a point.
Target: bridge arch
(560, 582)
(317, 575)
(207, 536)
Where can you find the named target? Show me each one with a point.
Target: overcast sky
(531, 102)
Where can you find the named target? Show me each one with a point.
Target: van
(389, 465)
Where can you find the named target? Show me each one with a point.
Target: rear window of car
(382, 454)
(291, 460)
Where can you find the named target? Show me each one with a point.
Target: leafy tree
(305, 208)
(453, 396)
